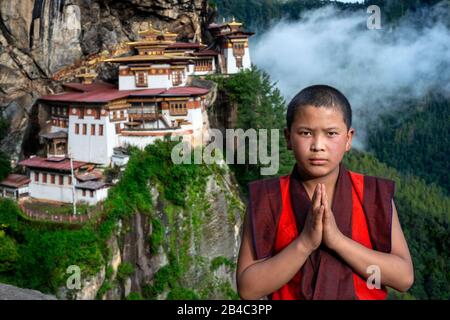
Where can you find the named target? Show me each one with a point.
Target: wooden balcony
(143, 116)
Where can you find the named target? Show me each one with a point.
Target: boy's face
(319, 139)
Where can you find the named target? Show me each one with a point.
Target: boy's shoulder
(368, 177)
(375, 184)
(264, 181)
(266, 185)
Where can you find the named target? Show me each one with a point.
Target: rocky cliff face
(8, 292)
(197, 248)
(40, 37)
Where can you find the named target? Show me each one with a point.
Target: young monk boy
(322, 232)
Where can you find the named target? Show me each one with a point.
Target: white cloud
(375, 69)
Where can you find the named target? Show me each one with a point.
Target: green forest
(416, 139)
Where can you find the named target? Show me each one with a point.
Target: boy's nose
(315, 148)
(317, 145)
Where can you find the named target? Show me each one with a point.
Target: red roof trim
(104, 96)
(83, 87)
(207, 52)
(15, 180)
(43, 163)
(98, 96)
(183, 45)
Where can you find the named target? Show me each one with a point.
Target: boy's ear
(350, 134)
(287, 136)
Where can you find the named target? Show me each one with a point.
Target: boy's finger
(325, 198)
(323, 193)
(317, 198)
(313, 200)
(319, 215)
(326, 213)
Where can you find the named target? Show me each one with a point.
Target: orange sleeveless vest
(287, 232)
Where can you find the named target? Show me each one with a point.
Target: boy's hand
(311, 236)
(331, 233)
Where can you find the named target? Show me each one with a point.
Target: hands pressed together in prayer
(396, 267)
(320, 225)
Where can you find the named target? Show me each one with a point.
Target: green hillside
(416, 139)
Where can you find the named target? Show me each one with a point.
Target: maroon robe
(324, 274)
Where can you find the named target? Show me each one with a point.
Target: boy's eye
(305, 133)
(332, 133)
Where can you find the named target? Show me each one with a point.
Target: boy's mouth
(317, 161)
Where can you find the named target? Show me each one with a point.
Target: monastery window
(122, 114)
(61, 180)
(44, 178)
(118, 128)
(141, 79)
(97, 114)
(70, 180)
(92, 129)
(114, 116)
(77, 128)
(84, 128)
(176, 78)
(100, 130)
(238, 52)
(239, 62)
(36, 177)
(92, 193)
(239, 47)
(178, 108)
(52, 179)
(205, 65)
(84, 193)
(81, 113)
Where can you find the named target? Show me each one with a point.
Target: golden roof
(86, 75)
(152, 31)
(149, 30)
(149, 43)
(234, 23)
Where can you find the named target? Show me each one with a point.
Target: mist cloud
(376, 69)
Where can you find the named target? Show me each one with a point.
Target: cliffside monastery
(92, 122)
